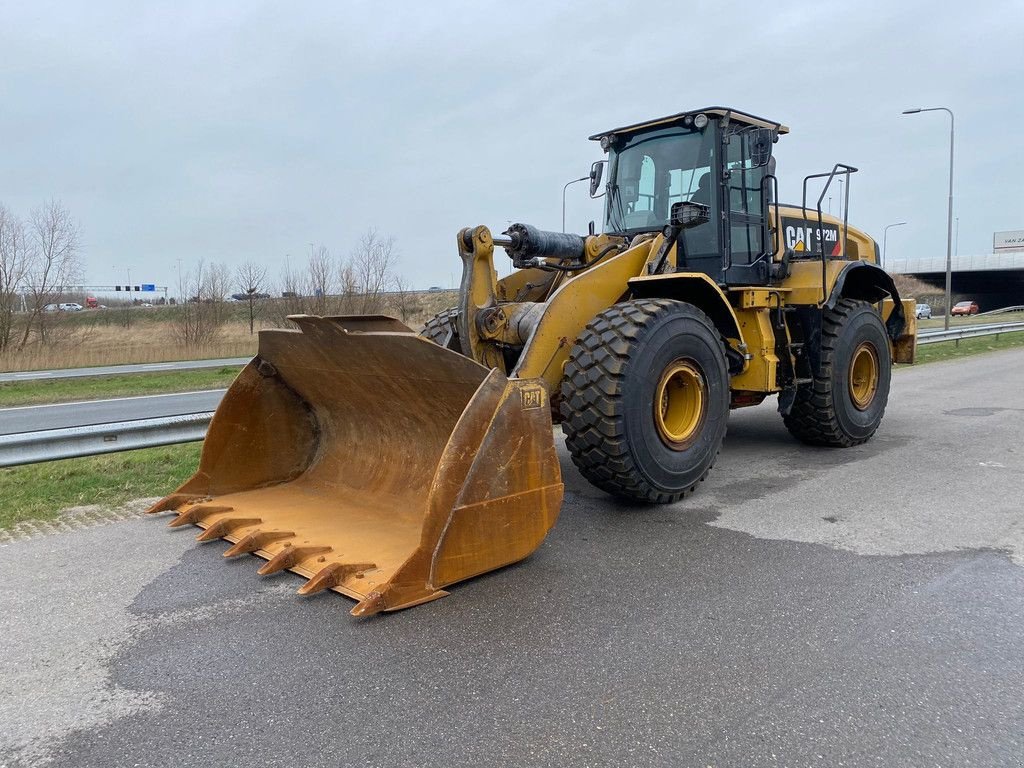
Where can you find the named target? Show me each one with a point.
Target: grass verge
(40, 491)
(100, 387)
(948, 350)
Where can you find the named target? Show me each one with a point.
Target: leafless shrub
(329, 286)
(198, 320)
(321, 271)
(373, 264)
(217, 286)
(402, 298)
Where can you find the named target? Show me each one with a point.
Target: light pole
(949, 216)
(574, 181)
(885, 239)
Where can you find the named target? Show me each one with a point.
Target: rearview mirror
(596, 172)
(761, 141)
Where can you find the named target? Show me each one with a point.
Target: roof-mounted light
(700, 122)
(606, 143)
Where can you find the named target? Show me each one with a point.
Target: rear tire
(645, 399)
(844, 405)
(442, 330)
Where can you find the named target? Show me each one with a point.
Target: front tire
(645, 399)
(442, 330)
(844, 404)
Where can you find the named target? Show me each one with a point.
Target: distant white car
(51, 308)
(924, 311)
(70, 306)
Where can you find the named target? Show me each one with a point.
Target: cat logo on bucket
(806, 237)
(533, 397)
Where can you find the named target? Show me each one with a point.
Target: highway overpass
(992, 279)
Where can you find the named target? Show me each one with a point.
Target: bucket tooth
(371, 604)
(172, 502)
(256, 540)
(332, 575)
(288, 557)
(196, 513)
(226, 526)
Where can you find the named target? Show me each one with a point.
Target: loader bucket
(374, 463)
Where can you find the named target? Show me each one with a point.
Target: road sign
(1008, 241)
(149, 286)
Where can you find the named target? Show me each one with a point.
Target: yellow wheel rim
(863, 375)
(680, 403)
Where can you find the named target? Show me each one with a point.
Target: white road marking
(111, 400)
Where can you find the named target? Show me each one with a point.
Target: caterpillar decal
(805, 236)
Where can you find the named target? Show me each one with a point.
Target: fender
(868, 282)
(696, 288)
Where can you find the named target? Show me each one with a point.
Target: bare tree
(251, 278)
(54, 262)
(216, 287)
(292, 287)
(197, 321)
(321, 272)
(357, 285)
(373, 262)
(14, 263)
(348, 289)
(403, 297)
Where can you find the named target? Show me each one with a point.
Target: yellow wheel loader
(387, 465)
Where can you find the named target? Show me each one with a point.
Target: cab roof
(718, 112)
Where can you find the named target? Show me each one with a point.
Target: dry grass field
(147, 335)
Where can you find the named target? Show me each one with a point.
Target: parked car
(965, 308)
(51, 308)
(924, 311)
(70, 306)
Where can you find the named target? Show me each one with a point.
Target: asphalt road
(860, 607)
(30, 418)
(120, 370)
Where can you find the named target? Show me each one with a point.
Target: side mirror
(596, 172)
(761, 141)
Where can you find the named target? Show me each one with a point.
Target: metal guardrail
(968, 332)
(73, 442)
(1003, 311)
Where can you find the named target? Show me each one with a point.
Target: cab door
(746, 211)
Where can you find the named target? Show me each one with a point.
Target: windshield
(651, 171)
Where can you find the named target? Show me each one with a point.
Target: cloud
(245, 131)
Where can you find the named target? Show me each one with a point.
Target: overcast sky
(233, 131)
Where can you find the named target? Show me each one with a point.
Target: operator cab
(705, 178)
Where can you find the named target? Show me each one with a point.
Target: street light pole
(949, 215)
(885, 239)
(574, 181)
